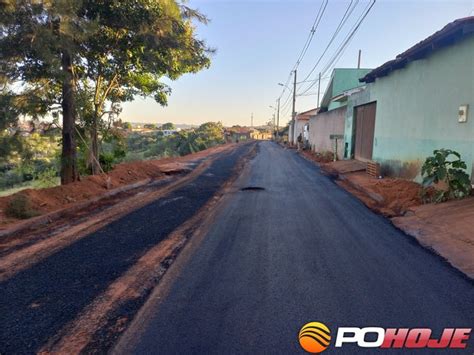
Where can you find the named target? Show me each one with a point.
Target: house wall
(344, 79)
(299, 128)
(322, 125)
(417, 110)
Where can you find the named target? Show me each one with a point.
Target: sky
(257, 44)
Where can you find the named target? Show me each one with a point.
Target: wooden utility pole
(278, 117)
(319, 88)
(293, 115)
(358, 59)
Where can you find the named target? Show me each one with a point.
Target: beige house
(301, 120)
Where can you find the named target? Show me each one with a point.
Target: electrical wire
(340, 50)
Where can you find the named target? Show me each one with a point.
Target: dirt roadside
(44, 201)
(444, 228)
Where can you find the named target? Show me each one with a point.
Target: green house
(418, 102)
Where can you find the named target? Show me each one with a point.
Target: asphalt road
(38, 302)
(301, 250)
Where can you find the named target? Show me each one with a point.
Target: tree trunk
(95, 147)
(68, 155)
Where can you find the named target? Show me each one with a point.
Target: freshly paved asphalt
(301, 250)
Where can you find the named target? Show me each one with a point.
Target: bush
(47, 178)
(107, 161)
(20, 207)
(438, 168)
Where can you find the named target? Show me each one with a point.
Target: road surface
(300, 250)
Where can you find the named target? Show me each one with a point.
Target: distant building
(169, 132)
(237, 134)
(260, 134)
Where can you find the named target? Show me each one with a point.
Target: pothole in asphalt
(252, 188)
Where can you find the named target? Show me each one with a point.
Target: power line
(309, 39)
(344, 45)
(315, 26)
(340, 50)
(343, 21)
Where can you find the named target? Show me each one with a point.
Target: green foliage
(47, 178)
(27, 161)
(107, 161)
(10, 178)
(20, 207)
(182, 143)
(168, 126)
(438, 168)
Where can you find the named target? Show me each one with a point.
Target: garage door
(364, 131)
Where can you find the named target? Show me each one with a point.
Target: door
(364, 131)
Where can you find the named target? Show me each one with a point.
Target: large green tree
(84, 57)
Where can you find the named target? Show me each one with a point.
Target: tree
(168, 126)
(83, 58)
(39, 45)
(127, 126)
(138, 43)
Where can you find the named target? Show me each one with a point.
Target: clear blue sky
(258, 42)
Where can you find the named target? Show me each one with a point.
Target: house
(260, 134)
(418, 102)
(237, 134)
(300, 125)
(326, 129)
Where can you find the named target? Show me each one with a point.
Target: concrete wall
(322, 125)
(417, 110)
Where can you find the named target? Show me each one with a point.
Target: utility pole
(278, 117)
(273, 123)
(294, 96)
(358, 59)
(319, 88)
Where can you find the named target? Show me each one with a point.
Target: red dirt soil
(318, 157)
(54, 198)
(389, 196)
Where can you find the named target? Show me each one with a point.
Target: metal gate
(364, 131)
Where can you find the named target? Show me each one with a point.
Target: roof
(305, 115)
(448, 35)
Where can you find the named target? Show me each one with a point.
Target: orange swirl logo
(314, 337)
